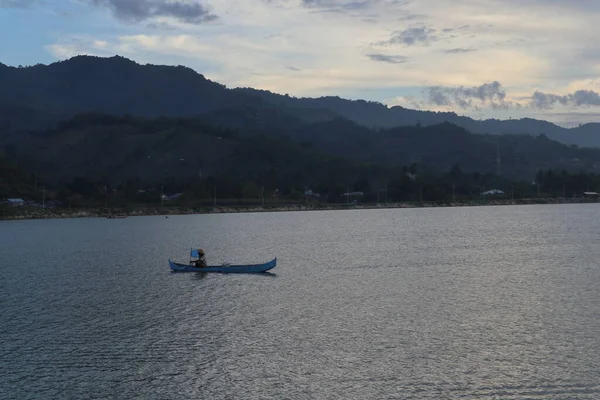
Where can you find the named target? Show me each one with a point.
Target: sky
(482, 58)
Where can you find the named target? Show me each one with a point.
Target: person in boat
(201, 261)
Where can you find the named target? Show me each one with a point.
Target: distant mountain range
(377, 115)
(112, 120)
(38, 96)
(281, 150)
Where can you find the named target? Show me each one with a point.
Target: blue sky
(482, 58)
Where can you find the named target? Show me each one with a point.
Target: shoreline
(27, 213)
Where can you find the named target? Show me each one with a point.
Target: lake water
(447, 303)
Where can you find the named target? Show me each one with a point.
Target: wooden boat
(225, 269)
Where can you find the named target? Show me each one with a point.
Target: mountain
(283, 151)
(39, 96)
(96, 150)
(109, 85)
(99, 121)
(14, 181)
(377, 115)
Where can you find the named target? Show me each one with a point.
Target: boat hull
(225, 269)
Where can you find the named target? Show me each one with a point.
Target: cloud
(75, 47)
(426, 35)
(337, 4)
(459, 51)
(18, 3)
(439, 52)
(361, 9)
(160, 26)
(412, 36)
(141, 10)
(580, 98)
(388, 58)
(373, 12)
(489, 94)
(412, 17)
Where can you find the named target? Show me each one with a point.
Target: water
(469, 303)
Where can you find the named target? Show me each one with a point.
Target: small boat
(225, 268)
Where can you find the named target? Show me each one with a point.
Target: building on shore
(15, 202)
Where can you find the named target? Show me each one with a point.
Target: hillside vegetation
(38, 96)
(94, 126)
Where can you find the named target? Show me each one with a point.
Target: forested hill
(108, 85)
(377, 115)
(14, 181)
(288, 150)
(106, 121)
(37, 97)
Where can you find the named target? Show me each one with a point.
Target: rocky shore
(22, 213)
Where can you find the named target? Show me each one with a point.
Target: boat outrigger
(224, 268)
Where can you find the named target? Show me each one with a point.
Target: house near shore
(591, 194)
(354, 194)
(492, 192)
(310, 193)
(171, 197)
(15, 202)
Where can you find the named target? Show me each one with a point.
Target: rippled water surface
(469, 303)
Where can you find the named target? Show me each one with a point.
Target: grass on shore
(26, 212)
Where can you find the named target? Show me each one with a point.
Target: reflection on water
(471, 303)
(202, 275)
(195, 275)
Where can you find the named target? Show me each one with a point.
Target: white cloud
(318, 47)
(100, 44)
(189, 12)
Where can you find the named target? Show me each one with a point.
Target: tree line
(411, 183)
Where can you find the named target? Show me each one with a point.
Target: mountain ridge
(114, 149)
(120, 86)
(111, 120)
(379, 115)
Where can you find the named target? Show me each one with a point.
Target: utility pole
(305, 195)
(453, 192)
(43, 197)
(347, 195)
(105, 198)
(386, 189)
(421, 193)
(162, 196)
(215, 196)
(263, 195)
